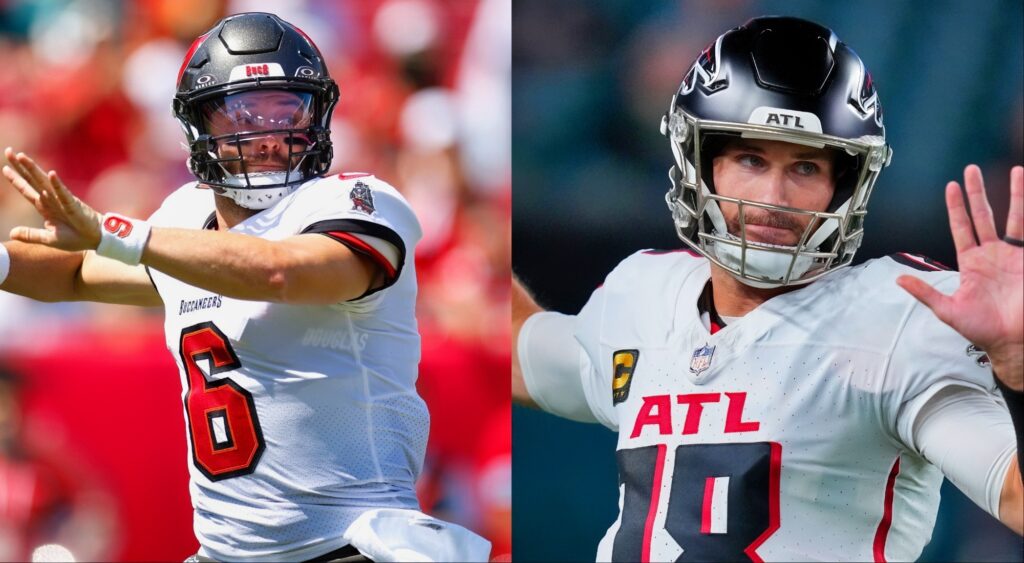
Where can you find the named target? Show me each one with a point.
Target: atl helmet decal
(707, 68)
(866, 99)
(255, 70)
(362, 198)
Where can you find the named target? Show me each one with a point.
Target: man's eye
(750, 160)
(806, 168)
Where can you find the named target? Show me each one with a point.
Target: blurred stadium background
(92, 444)
(591, 79)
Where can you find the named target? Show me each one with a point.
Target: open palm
(69, 224)
(988, 307)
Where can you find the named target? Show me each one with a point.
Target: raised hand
(69, 224)
(988, 307)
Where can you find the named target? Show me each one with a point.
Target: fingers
(36, 176)
(932, 298)
(1015, 220)
(39, 186)
(12, 159)
(68, 201)
(34, 236)
(45, 202)
(64, 195)
(84, 218)
(69, 204)
(26, 168)
(981, 211)
(959, 221)
(19, 183)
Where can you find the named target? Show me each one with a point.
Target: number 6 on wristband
(123, 238)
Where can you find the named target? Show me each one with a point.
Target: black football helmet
(243, 57)
(784, 79)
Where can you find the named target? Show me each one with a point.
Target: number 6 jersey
(792, 434)
(299, 418)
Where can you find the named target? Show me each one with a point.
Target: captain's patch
(623, 365)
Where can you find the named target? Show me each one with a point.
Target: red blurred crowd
(86, 90)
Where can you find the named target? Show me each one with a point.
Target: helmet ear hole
(844, 174)
(711, 146)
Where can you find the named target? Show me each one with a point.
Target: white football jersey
(299, 418)
(784, 436)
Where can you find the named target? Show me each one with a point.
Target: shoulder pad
(648, 271)
(919, 262)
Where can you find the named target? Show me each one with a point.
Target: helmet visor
(259, 131)
(257, 110)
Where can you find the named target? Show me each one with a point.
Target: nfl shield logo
(979, 355)
(701, 359)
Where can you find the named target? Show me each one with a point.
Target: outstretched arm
(523, 306)
(548, 365)
(988, 307)
(309, 269)
(53, 274)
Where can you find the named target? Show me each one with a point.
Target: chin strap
(258, 198)
(828, 227)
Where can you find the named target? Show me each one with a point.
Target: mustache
(266, 158)
(765, 218)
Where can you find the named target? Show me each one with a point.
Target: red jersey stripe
(774, 518)
(705, 510)
(367, 249)
(652, 512)
(883, 527)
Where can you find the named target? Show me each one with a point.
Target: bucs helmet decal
(240, 144)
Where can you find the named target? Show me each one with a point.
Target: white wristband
(5, 263)
(123, 238)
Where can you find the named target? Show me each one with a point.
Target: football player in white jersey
(290, 310)
(772, 402)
